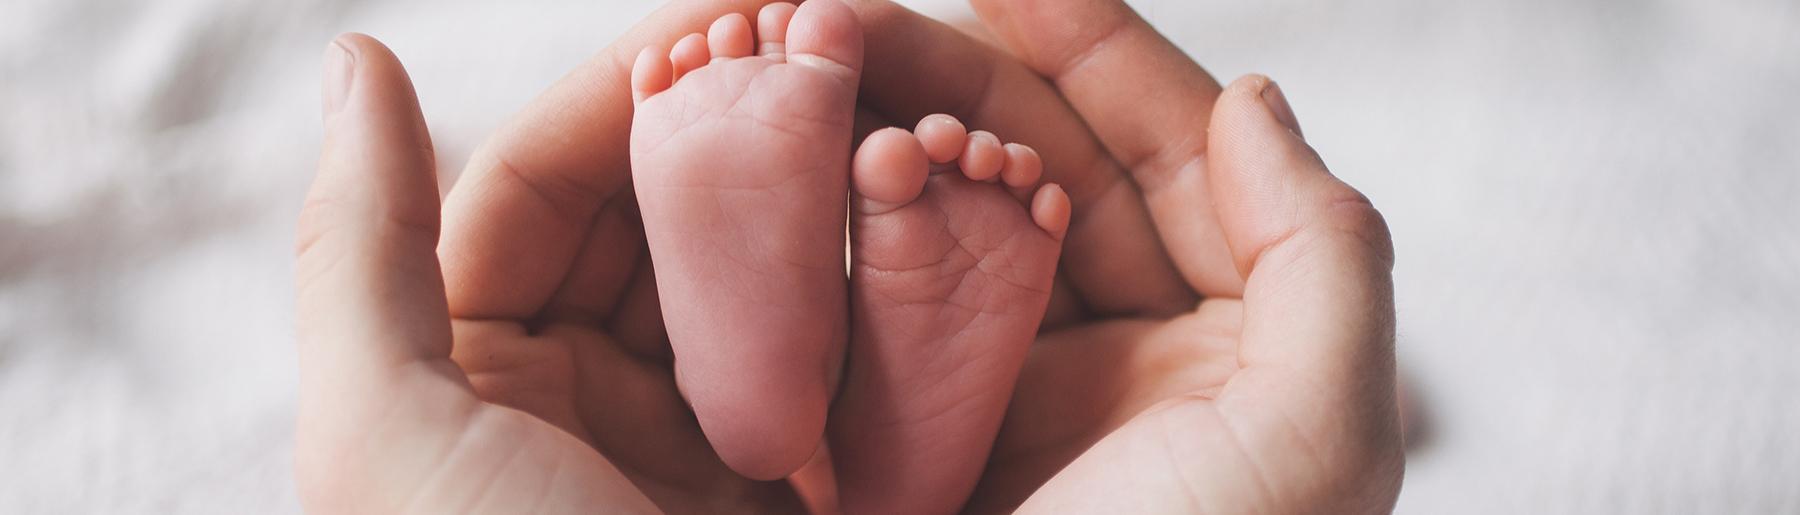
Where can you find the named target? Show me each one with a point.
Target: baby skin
(954, 247)
(741, 159)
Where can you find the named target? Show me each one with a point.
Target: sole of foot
(954, 246)
(740, 154)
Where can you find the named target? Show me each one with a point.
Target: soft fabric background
(1594, 203)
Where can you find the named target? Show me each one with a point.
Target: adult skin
(1228, 352)
(1274, 392)
(529, 372)
(1255, 373)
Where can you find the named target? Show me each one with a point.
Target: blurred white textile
(1594, 204)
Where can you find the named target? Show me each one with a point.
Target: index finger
(523, 209)
(1149, 104)
(1113, 257)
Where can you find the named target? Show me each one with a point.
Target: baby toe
(689, 54)
(889, 170)
(1050, 210)
(650, 74)
(825, 34)
(730, 37)
(982, 157)
(943, 136)
(771, 30)
(1023, 166)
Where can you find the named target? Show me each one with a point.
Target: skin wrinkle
(1000, 266)
(760, 188)
(964, 255)
(753, 113)
(1292, 375)
(1155, 168)
(390, 228)
(737, 107)
(969, 105)
(1182, 474)
(913, 332)
(506, 168)
(562, 215)
(958, 405)
(488, 484)
(578, 396)
(446, 457)
(1309, 448)
(415, 418)
(549, 482)
(837, 70)
(1071, 66)
(752, 270)
(1191, 163)
(346, 258)
(773, 252)
(656, 351)
(984, 287)
(962, 290)
(993, 254)
(560, 308)
(1098, 185)
(630, 468)
(981, 105)
(940, 263)
(1260, 476)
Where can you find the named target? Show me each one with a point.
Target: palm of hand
(1267, 396)
(594, 362)
(1157, 392)
(1221, 337)
(497, 382)
(622, 407)
(523, 409)
(1123, 366)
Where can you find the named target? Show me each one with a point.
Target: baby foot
(740, 155)
(950, 275)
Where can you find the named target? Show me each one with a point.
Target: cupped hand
(530, 373)
(1221, 336)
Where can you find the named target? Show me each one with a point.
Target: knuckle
(1351, 213)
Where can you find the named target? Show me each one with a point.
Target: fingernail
(1278, 106)
(340, 70)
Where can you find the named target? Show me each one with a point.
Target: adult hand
(555, 314)
(532, 374)
(1221, 339)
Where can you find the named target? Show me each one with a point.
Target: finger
(1113, 258)
(386, 419)
(1310, 416)
(1316, 255)
(1318, 341)
(371, 300)
(371, 297)
(1154, 124)
(614, 244)
(516, 219)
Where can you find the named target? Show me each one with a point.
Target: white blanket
(1594, 204)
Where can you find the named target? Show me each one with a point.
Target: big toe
(889, 170)
(826, 35)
